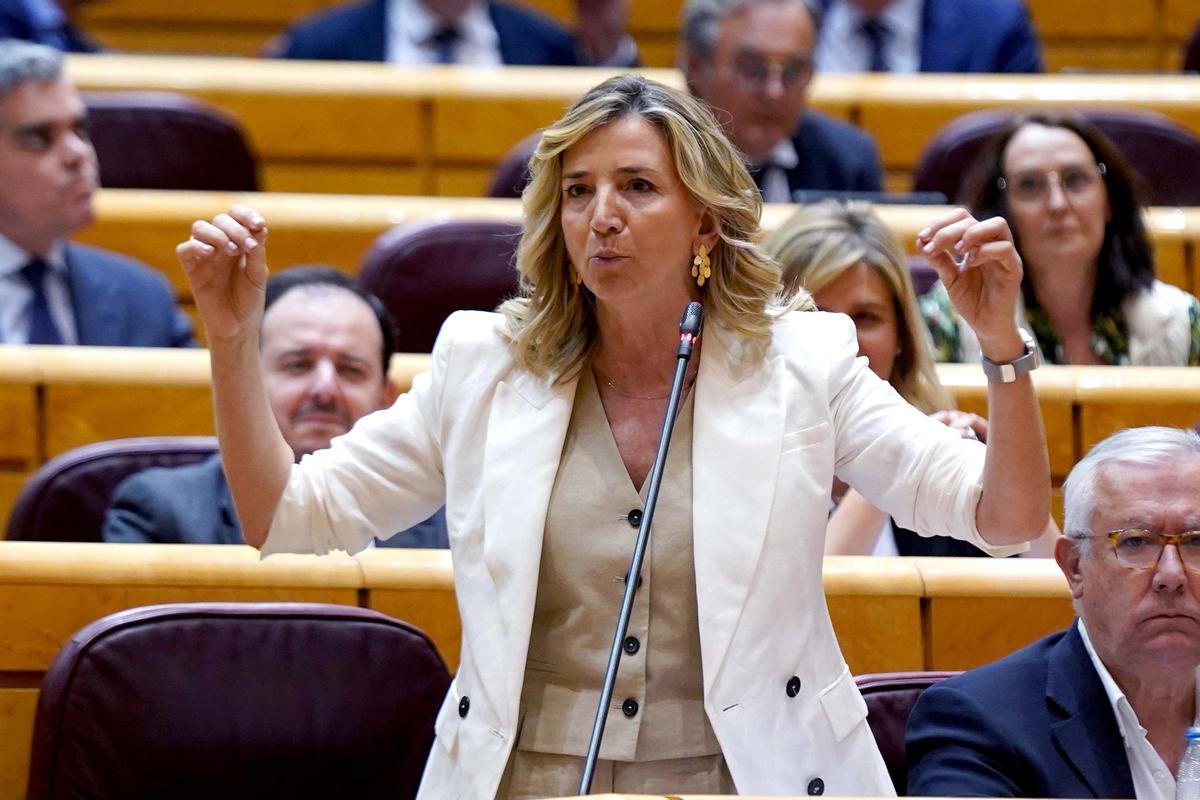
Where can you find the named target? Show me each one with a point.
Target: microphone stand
(689, 334)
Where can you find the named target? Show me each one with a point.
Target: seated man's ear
(1066, 553)
(389, 393)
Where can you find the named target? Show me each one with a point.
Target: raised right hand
(226, 264)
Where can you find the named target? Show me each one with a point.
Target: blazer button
(816, 786)
(632, 645)
(793, 686)
(630, 707)
(635, 518)
(464, 706)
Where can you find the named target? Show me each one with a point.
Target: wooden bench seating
(59, 398)
(374, 129)
(338, 229)
(1111, 35)
(889, 613)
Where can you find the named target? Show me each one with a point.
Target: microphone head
(693, 320)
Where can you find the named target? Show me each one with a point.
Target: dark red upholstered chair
(238, 700)
(510, 176)
(1191, 51)
(161, 140)
(890, 699)
(426, 271)
(1161, 151)
(66, 498)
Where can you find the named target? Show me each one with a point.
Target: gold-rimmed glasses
(1141, 548)
(1033, 186)
(753, 70)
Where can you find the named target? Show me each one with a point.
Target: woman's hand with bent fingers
(226, 264)
(979, 266)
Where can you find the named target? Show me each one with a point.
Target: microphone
(689, 335)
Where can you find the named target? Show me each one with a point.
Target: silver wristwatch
(1009, 372)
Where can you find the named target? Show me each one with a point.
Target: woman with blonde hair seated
(537, 427)
(845, 256)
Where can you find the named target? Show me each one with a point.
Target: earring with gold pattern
(701, 266)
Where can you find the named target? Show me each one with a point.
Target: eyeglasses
(754, 70)
(1034, 186)
(1141, 548)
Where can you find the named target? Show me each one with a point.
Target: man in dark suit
(477, 32)
(326, 345)
(751, 61)
(52, 291)
(45, 22)
(1100, 709)
(928, 36)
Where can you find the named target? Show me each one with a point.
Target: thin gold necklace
(608, 382)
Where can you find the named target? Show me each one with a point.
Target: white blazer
(484, 437)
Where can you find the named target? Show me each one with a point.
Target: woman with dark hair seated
(1089, 293)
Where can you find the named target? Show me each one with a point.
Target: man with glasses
(752, 61)
(1100, 709)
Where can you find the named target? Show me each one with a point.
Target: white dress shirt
(843, 47)
(1151, 778)
(774, 181)
(410, 26)
(16, 294)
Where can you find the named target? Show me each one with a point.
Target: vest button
(632, 645)
(793, 686)
(464, 706)
(816, 786)
(630, 707)
(635, 518)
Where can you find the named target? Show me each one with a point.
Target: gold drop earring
(573, 275)
(701, 266)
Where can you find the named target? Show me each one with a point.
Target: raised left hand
(979, 266)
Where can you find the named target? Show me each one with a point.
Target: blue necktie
(42, 329)
(443, 41)
(877, 35)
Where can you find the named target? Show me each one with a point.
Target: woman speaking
(537, 426)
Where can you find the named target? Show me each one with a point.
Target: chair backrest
(1157, 148)
(510, 176)
(162, 140)
(65, 500)
(425, 271)
(296, 700)
(890, 699)
(1191, 51)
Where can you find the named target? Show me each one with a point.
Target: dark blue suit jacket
(835, 156)
(979, 36)
(120, 302)
(192, 505)
(358, 32)
(15, 23)
(1035, 724)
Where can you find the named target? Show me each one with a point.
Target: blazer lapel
(527, 426)
(736, 439)
(1088, 736)
(97, 317)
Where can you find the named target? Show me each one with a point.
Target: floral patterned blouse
(1109, 338)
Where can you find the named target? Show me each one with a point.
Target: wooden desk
(339, 229)
(373, 129)
(1111, 35)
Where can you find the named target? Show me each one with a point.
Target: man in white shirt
(1100, 709)
(52, 291)
(474, 32)
(751, 61)
(928, 36)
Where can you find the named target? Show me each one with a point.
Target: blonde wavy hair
(552, 322)
(820, 243)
